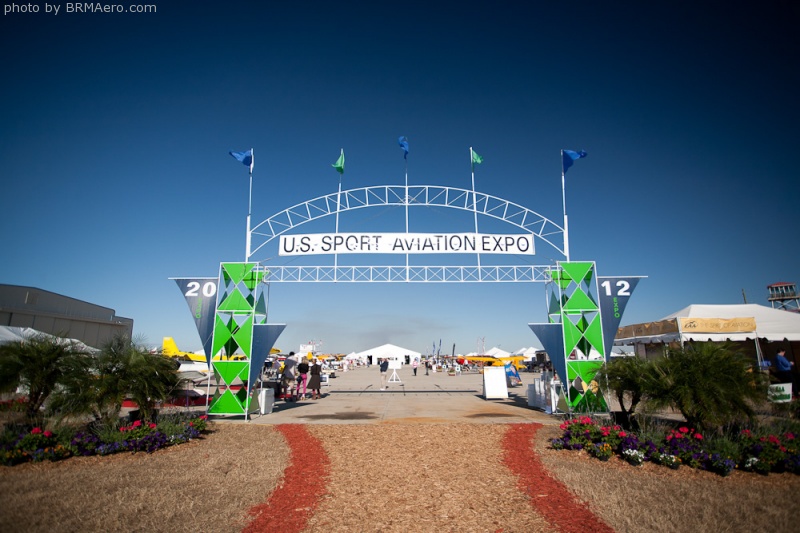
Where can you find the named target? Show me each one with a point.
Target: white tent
(716, 323)
(353, 356)
(527, 353)
(497, 352)
(747, 324)
(15, 334)
(388, 351)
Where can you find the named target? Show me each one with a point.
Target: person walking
(315, 380)
(384, 368)
(302, 371)
(415, 364)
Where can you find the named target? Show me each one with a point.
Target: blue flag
(403, 142)
(246, 158)
(568, 157)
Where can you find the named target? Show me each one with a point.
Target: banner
(614, 293)
(406, 243)
(718, 325)
(201, 297)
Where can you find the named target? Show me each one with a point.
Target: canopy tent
(16, 334)
(388, 351)
(528, 353)
(497, 352)
(717, 323)
(354, 356)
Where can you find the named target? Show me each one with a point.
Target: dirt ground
(383, 477)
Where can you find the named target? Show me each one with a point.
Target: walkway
(354, 397)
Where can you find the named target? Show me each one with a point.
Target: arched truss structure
(412, 195)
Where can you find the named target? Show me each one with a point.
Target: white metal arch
(412, 195)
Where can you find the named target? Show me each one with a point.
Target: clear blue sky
(116, 129)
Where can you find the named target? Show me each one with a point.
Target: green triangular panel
(237, 271)
(579, 301)
(590, 403)
(253, 278)
(241, 395)
(235, 302)
(227, 404)
(229, 370)
(244, 375)
(222, 334)
(578, 270)
(244, 336)
(594, 334)
(586, 370)
(563, 282)
(571, 336)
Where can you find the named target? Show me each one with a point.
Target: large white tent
(388, 351)
(720, 323)
(747, 324)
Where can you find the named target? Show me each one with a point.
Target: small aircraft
(487, 360)
(170, 349)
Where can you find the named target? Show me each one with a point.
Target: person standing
(315, 381)
(415, 364)
(783, 368)
(302, 370)
(384, 368)
(289, 377)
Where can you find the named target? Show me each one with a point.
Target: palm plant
(122, 369)
(623, 376)
(710, 384)
(38, 364)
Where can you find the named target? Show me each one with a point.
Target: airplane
(170, 349)
(516, 360)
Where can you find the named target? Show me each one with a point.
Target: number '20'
(209, 288)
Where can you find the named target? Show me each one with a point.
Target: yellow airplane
(516, 360)
(170, 349)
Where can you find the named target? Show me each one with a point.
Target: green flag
(339, 165)
(476, 159)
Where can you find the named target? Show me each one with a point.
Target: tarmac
(354, 397)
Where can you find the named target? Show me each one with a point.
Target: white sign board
(395, 364)
(494, 383)
(406, 243)
(780, 393)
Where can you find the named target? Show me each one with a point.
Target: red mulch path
(304, 482)
(548, 495)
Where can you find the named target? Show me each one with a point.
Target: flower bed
(44, 445)
(682, 446)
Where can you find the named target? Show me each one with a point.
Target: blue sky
(116, 129)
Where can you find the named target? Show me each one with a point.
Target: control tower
(784, 296)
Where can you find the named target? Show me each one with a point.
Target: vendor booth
(757, 330)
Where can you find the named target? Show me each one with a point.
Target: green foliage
(38, 364)
(121, 370)
(710, 384)
(623, 377)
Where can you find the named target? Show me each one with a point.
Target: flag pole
(406, 202)
(474, 204)
(564, 205)
(338, 208)
(249, 207)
